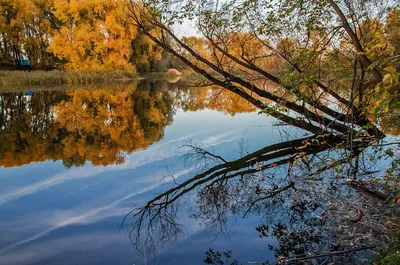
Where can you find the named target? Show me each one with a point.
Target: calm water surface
(74, 161)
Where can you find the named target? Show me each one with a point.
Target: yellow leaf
(386, 78)
(395, 76)
(390, 69)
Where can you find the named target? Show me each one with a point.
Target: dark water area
(74, 162)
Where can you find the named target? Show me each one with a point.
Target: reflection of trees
(289, 184)
(99, 124)
(28, 128)
(212, 97)
(82, 124)
(239, 186)
(277, 182)
(299, 227)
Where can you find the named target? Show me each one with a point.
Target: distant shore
(14, 80)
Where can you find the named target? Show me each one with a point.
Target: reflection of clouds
(152, 154)
(194, 243)
(91, 216)
(85, 215)
(145, 156)
(222, 137)
(157, 152)
(36, 239)
(84, 188)
(243, 240)
(76, 173)
(52, 248)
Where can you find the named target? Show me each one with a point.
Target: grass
(42, 78)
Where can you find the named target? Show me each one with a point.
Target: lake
(75, 161)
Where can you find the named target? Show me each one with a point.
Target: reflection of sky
(52, 213)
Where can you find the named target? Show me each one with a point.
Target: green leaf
(373, 65)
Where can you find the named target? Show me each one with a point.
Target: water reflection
(48, 212)
(292, 186)
(81, 125)
(98, 125)
(235, 166)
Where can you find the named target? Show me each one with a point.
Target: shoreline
(22, 80)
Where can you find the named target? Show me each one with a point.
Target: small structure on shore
(23, 64)
(173, 71)
(173, 75)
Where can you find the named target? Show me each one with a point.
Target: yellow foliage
(87, 34)
(392, 29)
(25, 27)
(95, 35)
(373, 39)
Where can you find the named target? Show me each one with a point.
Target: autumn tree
(26, 27)
(144, 53)
(393, 23)
(96, 35)
(85, 35)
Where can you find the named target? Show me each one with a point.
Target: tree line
(82, 35)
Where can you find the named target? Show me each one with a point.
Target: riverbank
(18, 78)
(15, 80)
